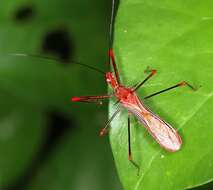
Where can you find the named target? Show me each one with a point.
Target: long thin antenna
(54, 59)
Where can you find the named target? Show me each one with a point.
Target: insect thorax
(125, 94)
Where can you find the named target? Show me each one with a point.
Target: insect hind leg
(180, 84)
(129, 148)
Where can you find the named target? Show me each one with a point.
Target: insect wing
(164, 134)
(161, 131)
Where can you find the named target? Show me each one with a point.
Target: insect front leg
(90, 99)
(112, 57)
(129, 148)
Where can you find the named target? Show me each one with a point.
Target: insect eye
(108, 80)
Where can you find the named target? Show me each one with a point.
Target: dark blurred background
(46, 141)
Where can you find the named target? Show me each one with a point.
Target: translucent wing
(161, 131)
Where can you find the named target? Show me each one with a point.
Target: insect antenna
(54, 59)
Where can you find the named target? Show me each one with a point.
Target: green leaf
(174, 37)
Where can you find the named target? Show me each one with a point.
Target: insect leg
(183, 83)
(90, 99)
(104, 130)
(112, 56)
(129, 147)
(153, 72)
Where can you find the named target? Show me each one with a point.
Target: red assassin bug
(161, 131)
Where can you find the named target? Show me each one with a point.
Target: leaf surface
(176, 39)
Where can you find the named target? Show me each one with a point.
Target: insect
(165, 135)
(127, 98)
